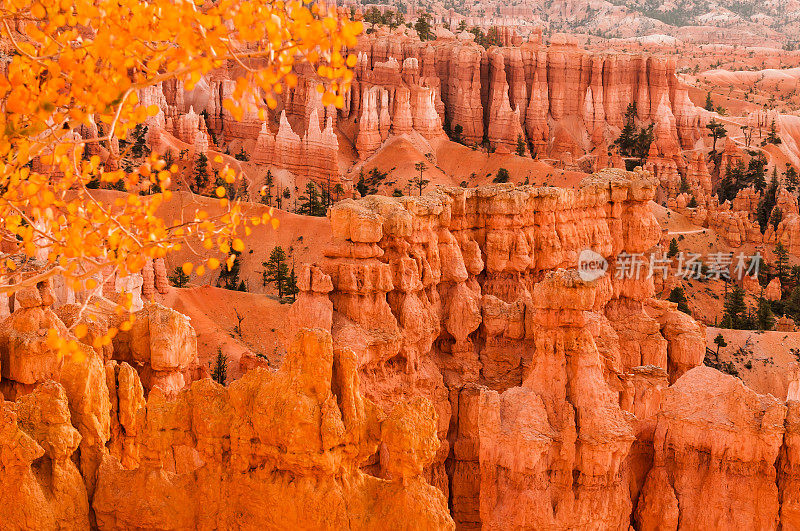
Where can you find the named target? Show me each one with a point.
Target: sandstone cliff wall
(558, 98)
(470, 297)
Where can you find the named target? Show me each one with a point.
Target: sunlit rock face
(546, 384)
(557, 99)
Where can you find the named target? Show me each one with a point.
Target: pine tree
(423, 27)
(229, 277)
(772, 136)
(338, 189)
(792, 307)
(684, 187)
(736, 177)
(775, 218)
(502, 176)
(458, 130)
(268, 182)
(201, 174)
(314, 202)
(287, 194)
(758, 178)
(139, 148)
(219, 372)
(791, 179)
(628, 135)
(673, 248)
(230, 191)
(419, 182)
(276, 271)
(644, 139)
(178, 278)
(291, 290)
(720, 342)
(677, 296)
(709, 106)
(370, 183)
(735, 309)
(716, 131)
(767, 203)
(781, 261)
(520, 146)
(764, 318)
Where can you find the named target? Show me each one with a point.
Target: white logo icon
(591, 265)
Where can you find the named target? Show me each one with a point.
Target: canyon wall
(81, 448)
(470, 297)
(560, 102)
(563, 402)
(449, 367)
(559, 98)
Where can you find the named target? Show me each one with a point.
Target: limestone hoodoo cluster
(81, 447)
(558, 398)
(556, 99)
(449, 367)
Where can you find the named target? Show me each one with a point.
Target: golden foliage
(81, 65)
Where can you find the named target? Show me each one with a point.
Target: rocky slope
(80, 447)
(548, 387)
(516, 393)
(557, 99)
(561, 107)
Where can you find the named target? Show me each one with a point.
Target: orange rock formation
(466, 297)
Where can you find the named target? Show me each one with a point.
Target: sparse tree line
(277, 273)
(737, 313)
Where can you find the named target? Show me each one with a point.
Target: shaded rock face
(471, 298)
(277, 450)
(162, 345)
(26, 357)
(561, 412)
(558, 99)
(717, 441)
(40, 485)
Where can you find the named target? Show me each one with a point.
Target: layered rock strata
(81, 448)
(470, 297)
(558, 98)
(277, 450)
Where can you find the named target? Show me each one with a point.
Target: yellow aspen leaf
(67, 75)
(81, 330)
(38, 10)
(187, 268)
